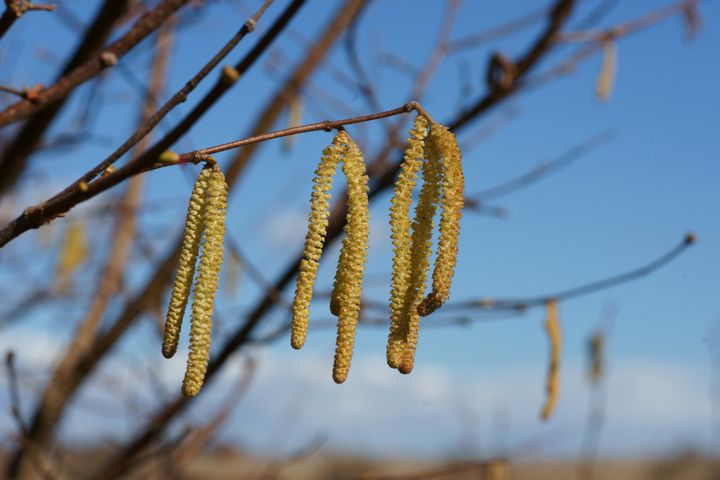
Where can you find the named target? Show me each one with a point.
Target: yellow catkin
(207, 282)
(315, 238)
(401, 238)
(186, 265)
(607, 72)
(445, 145)
(73, 254)
(552, 326)
(421, 250)
(347, 290)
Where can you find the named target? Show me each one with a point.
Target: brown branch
(179, 97)
(499, 31)
(151, 155)
(642, 23)
(581, 290)
(41, 466)
(156, 284)
(35, 216)
(15, 9)
(242, 335)
(14, 157)
(147, 24)
(50, 407)
(540, 171)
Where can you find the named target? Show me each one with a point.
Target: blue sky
(618, 207)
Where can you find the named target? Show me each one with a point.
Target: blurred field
(226, 464)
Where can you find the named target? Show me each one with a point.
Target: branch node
(168, 156)
(229, 75)
(108, 58)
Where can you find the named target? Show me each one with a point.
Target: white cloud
(651, 406)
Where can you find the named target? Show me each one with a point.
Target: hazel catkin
(422, 228)
(402, 239)
(347, 290)
(315, 238)
(207, 282)
(552, 327)
(445, 145)
(186, 264)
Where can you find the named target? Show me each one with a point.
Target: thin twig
(34, 217)
(581, 290)
(16, 8)
(147, 24)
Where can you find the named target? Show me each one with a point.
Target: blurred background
(589, 132)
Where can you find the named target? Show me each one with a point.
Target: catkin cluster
(435, 152)
(347, 289)
(204, 227)
(552, 327)
(432, 152)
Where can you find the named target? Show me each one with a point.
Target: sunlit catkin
(445, 145)
(186, 265)
(207, 282)
(315, 238)
(552, 326)
(607, 72)
(347, 290)
(402, 239)
(73, 254)
(422, 228)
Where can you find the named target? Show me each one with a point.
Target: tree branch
(34, 217)
(15, 9)
(147, 24)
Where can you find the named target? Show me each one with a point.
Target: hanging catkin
(552, 326)
(186, 264)
(347, 290)
(207, 282)
(73, 254)
(422, 228)
(315, 238)
(445, 144)
(607, 72)
(402, 238)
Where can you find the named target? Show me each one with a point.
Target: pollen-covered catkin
(401, 238)
(422, 229)
(552, 326)
(445, 144)
(207, 282)
(315, 238)
(186, 265)
(347, 291)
